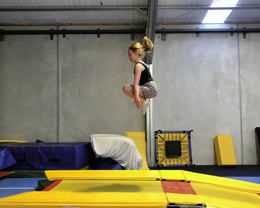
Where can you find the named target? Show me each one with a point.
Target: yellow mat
(139, 139)
(213, 191)
(103, 174)
(222, 182)
(12, 141)
(224, 149)
(225, 197)
(213, 196)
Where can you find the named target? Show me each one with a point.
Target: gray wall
(28, 88)
(93, 71)
(209, 83)
(70, 87)
(65, 89)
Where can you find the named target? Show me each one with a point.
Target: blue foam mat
(252, 179)
(11, 186)
(10, 192)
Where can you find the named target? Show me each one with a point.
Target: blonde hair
(141, 49)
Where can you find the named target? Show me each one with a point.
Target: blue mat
(11, 186)
(252, 179)
(49, 155)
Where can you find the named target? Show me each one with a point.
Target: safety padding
(118, 147)
(140, 142)
(99, 163)
(6, 159)
(12, 186)
(136, 175)
(173, 148)
(224, 149)
(137, 188)
(42, 156)
(106, 164)
(12, 141)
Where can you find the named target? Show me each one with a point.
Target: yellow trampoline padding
(214, 191)
(185, 199)
(103, 174)
(12, 141)
(93, 193)
(224, 197)
(222, 182)
(172, 175)
(139, 139)
(137, 188)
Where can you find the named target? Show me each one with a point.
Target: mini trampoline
(173, 148)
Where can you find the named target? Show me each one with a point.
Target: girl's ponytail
(143, 48)
(147, 43)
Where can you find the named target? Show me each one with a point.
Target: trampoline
(136, 188)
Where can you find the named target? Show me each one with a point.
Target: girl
(144, 86)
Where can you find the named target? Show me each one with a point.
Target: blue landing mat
(11, 186)
(252, 179)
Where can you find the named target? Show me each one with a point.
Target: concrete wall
(209, 83)
(70, 87)
(28, 88)
(93, 71)
(65, 89)
(250, 96)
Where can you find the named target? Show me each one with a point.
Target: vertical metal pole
(150, 32)
(240, 99)
(58, 75)
(151, 24)
(150, 141)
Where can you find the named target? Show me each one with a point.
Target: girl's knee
(124, 88)
(127, 88)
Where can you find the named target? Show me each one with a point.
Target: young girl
(144, 86)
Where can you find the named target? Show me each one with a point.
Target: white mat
(120, 148)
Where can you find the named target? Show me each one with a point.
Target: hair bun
(148, 44)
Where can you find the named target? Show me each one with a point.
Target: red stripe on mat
(51, 186)
(5, 173)
(177, 187)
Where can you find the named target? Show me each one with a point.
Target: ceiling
(127, 13)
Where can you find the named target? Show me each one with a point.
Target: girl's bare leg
(129, 91)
